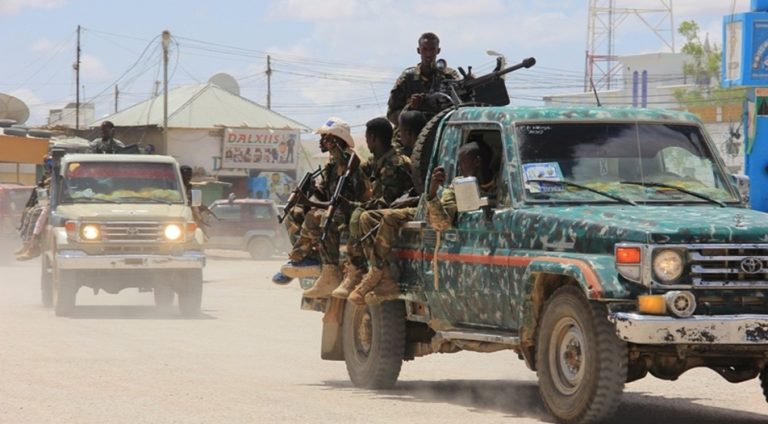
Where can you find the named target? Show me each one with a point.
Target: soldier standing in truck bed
(416, 81)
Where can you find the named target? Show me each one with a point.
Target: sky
(328, 58)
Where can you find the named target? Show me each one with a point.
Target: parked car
(246, 224)
(13, 197)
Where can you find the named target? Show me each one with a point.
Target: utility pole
(77, 82)
(117, 93)
(166, 42)
(269, 83)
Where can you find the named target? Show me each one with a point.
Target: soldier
(384, 225)
(474, 160)
(339, 143)
(107, 143)
(391, 177)
(414, 82)
(35, 217)
(197, 211)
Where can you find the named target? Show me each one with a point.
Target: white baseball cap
(339, 128)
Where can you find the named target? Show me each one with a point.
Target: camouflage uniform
(312, 225)
(391, 178)
(441, 212)
(412, 81)
(389, 221)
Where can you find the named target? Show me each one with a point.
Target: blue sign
(745, 53)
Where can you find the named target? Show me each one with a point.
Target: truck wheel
(191, 293)
(582, 365)
(64, 292)
(373, 338)
(46, 282)
(163, 295)
(260, 249)
(764, 382)
(422, 151)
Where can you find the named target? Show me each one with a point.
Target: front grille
(131, 231)
(729, 266)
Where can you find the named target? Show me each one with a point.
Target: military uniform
(411, 81)
(441, 213)
(391, 178)
(312, 228)
(110, 145)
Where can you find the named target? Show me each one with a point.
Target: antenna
(594, 90)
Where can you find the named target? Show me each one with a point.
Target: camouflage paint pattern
(487, 265)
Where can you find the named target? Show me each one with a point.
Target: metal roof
(201, 106)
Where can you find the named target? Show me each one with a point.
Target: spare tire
(422, 150)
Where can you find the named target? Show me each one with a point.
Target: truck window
(120, 182)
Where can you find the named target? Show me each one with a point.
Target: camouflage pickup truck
(617, 246)
(120, 221)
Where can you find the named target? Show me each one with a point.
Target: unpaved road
(253, 357)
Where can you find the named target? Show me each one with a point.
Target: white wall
(194, 147)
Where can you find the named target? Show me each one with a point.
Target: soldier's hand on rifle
(437, 180)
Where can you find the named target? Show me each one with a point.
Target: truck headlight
(668, 265)
(172, 232)
(90, 232)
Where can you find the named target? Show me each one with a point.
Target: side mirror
(42, 196)
(197, 197)
(468, 194)
(741, 182)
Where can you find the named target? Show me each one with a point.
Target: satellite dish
(13, 108)
(227, 82)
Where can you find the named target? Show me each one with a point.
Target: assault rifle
(487, 89)
(304, 187)
(333, 204)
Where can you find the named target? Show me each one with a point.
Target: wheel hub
(364, 333)
(567, 357)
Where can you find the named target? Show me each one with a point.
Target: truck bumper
(77, 259)
(698, 329)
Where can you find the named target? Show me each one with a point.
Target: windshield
(638, 162)
(118, 182)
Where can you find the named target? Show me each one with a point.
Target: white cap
(339, 128)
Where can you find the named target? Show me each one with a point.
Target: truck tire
(260, 248)
(373, 338)
(46, 282)
(164, 295)
(582, 365)
(191, 293)
(422, 150)
(64, 292)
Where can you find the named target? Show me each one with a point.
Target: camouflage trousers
(294, 218)
(355, 253)
(379, 247)
(308, 243)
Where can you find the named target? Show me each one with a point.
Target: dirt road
(253, 357)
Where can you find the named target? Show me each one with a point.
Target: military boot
(387, 289)
(32, 252)
(330, 277)
(370, 280)
(352, 278)
(24, 247)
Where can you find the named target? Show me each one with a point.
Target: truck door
(226, 229)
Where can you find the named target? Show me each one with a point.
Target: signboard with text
(260, 148)
(745, 56)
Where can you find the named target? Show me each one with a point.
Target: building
(218, 133)
(67, 116)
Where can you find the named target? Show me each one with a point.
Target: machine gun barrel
(526, 63)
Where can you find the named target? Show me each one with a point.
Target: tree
(704, 68)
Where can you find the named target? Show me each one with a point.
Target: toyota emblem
(752, 265)
(132, 231)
